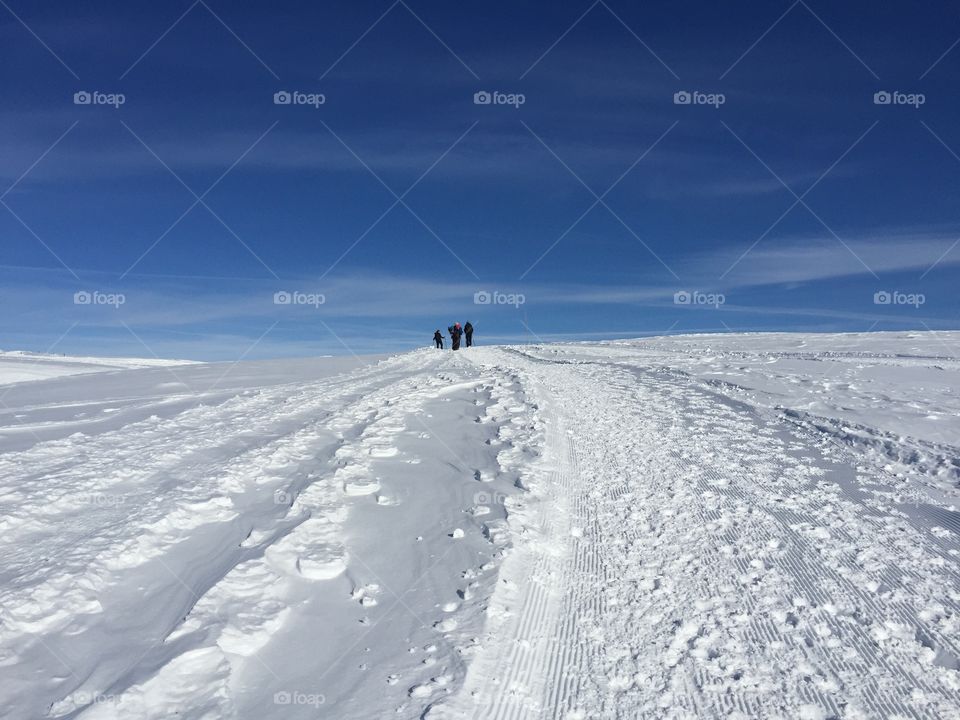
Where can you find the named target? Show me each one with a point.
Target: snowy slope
(19, 366)
(701, 526)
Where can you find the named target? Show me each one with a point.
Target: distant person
(468, 333)
(438, 339)
(455, 333)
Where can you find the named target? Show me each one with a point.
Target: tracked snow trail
(681, 555)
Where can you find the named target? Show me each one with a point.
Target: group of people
(456, 332)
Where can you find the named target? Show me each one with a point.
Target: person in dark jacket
(455, 333)
(468, 333)
(438, 339)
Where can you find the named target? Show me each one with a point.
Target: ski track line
(510, 678)
(541, 660)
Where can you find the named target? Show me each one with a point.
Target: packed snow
(710, 526)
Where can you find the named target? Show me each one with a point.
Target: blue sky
(602, 204)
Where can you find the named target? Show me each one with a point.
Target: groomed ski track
(682, 555)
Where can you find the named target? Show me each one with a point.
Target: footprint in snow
(425, 690)
(361, 487)
(365, 594)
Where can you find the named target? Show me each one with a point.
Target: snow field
(704, 526)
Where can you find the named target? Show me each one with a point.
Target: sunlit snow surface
(693, 526)
(18, 367)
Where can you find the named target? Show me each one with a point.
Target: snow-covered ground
(697, 526)
(19, 366)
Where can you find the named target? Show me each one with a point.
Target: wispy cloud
(809, 259)
(367, 296)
